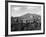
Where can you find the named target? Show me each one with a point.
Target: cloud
(21, 10)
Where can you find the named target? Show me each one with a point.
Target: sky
(19, 10)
